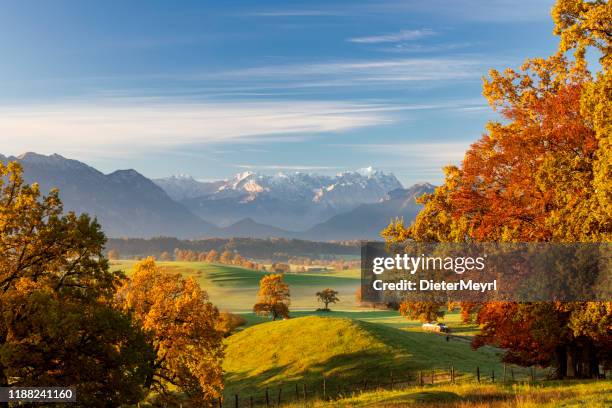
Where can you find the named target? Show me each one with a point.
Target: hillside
(302, 350)
(125, 202)
(368, 220)
(347, 206)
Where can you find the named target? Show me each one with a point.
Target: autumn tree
(57, 323)
(226, 257)
(327, 296)
(183, 327)
(273, 297)
(237, 259)
(113, 255)
(165, 256)
(358, 295)
(541, 175)
(422, 311)
(228, 322)
(212, 256)
(279, 267)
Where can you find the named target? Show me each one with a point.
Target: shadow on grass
(342, 373)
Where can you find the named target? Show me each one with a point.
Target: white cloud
(354, 73)
(110, 128)
(403, 35)
(437, 154)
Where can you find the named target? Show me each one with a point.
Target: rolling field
(358, 352)
(235, 289)
(301, 351)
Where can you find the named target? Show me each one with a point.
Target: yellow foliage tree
(274, 297)
(57, 323)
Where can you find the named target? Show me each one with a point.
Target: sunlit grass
(348, 352)
(568, 394)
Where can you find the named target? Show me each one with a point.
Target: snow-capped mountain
(184, 186)
(286, 200)
(348, 205)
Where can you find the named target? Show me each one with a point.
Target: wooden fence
(329, 388)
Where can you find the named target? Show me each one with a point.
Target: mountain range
(125, 202)
(349, 205)
(294, 201)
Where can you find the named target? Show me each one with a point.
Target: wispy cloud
(112, 127)
(294, 13)
(402, 35)
(376, 72)
(459, 10)
(436, 153)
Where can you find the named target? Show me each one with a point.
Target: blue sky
(215, 88)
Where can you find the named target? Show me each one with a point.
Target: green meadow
(360, 353)
(235, 289)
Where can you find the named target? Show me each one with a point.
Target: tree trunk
(561, 354)
(571, 361)
(589, 364)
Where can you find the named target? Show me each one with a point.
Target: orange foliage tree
(542, 175)
(183, 328)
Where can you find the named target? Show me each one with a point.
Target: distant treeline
(279, 249)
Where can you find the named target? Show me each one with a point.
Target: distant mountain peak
(182, 176)
(423, 185)
(125, 202)
(127, 175)
(367, 171)
(36, 157)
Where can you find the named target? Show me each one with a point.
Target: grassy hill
(345, 351)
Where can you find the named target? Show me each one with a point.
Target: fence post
(278, 401)
(478, 373)
(532, 374)
(251, 401)
(433, 374)
(304, 391)
(267, 398)
(365, 384)
(512, 373)
(297, 393)
(236, 400)
(324, 389)
(493, 375)
(504, 372)
(421, 378)
(220, 402)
